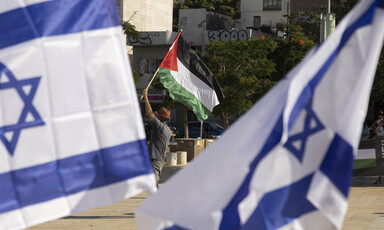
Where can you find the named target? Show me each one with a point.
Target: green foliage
(307, 23)
(246, 70)
(342, 8)
(130, 30)
(291, 51)
(242, 69)
(199, 4)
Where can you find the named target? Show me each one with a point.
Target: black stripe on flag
(194, 64)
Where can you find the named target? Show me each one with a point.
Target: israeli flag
(287, 163)
(71, 134)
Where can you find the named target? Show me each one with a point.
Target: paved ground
(366, 205)
(366, 210)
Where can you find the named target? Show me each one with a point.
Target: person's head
(163, 114)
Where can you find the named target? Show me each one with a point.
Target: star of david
(28, 108)
(312, 125)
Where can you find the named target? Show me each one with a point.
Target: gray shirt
(160, 136)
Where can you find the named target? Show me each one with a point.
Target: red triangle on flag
(170, 60)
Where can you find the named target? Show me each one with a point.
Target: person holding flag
(160, 136)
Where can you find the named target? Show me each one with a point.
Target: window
(148, 65)
(256, 22)
(144, 65)
(272, 5)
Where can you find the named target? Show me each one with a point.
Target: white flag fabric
(71, 133)
(287, 163)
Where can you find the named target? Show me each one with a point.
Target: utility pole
(322, 27)
(329, 6)
(327, 23)
(288, 13)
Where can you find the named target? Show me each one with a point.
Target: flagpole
(201, 130)
(153, 77)
(186, 131)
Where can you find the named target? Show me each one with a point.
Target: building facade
(257, 13)
(201, 27)
(147, 15)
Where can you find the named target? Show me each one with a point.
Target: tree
(306, 23)
(309, 21)
(291, 49)
(242, 69)
(231, 7)
(130, 31)
(342, 8)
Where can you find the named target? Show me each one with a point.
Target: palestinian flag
(188, 80)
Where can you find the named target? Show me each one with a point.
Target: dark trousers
(157, 166)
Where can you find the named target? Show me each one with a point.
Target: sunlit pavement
(365, 212)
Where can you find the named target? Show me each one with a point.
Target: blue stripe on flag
(338, 164)
(381, 4)
(281, 206)
(68, 176)
(56, 17)
(230, 218)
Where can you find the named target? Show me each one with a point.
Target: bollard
(181, 157)
(171, 158)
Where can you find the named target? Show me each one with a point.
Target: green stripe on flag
(364, 163)
(181, 95)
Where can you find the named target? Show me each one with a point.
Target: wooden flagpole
(153, 77)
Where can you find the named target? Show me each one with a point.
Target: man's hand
(148, 108)
(144, 94)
